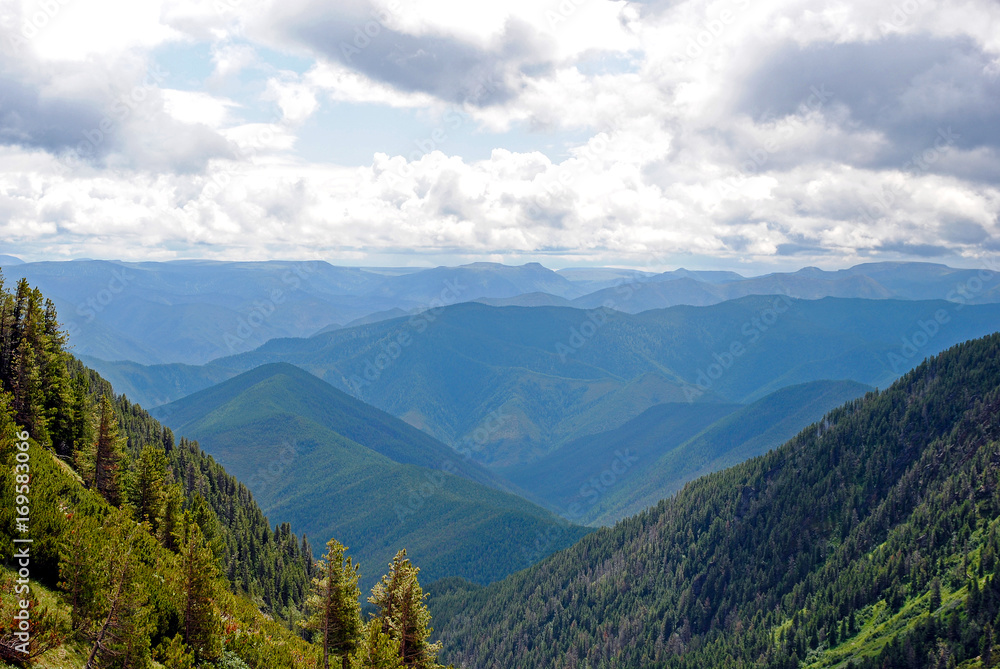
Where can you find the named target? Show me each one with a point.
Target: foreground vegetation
(145, 552)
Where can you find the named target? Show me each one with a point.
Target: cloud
(107, 112)
(750, 131)
(365, 37)
(910, 89)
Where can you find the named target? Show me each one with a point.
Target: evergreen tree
(402, 609)
(377, 650)
(100, 464)
(79, 576)
(935, 603)
(200, 621)
(117, 625)
(334, 606)
(174, 654)
(145, 489)
(173, 517)
(986, 653)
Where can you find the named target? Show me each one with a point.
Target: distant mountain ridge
(672, 444)
(511, 385)
(194, 311)
(886, 280)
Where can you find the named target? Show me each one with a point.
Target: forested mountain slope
(151, 542)
(871, 536)
(335, 467)
(618, 473)
(752, 430)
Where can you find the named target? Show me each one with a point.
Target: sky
(743, 134)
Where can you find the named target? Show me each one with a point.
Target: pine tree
(986, 653)
(935, 603)
(174, 654)
(81, 416)
(78, 573)
(100, 464)
(56, 383)
(403, 612)
(173, 517)
(378, 649)
(145, 490)
(200, 624)
(334, 606)
(118, 626)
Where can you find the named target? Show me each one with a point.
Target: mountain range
(194, 311)
(556, 374)
(548, 414)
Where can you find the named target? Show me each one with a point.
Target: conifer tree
(174, 654)
(100, 464)
(173, 517)
(116, 622)
(377, 650)
(57, 386)
(200, 624)
(402, 609)
(79, 575)
(986, 654)
(145, 490)
(335, 612)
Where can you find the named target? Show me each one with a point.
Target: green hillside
(749, 431)
(571, 475)
(334, 467)
(867, 541)
(602, 478)
(132, 546)
(288, 389)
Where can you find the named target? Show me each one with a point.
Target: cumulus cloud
(725, 128)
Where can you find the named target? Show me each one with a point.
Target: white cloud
(697, 129)
(198, 107)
